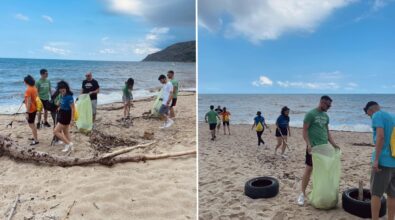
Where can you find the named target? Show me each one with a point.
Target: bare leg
(66, 132)
(306, 178)
(125, 109)
(39, 118)
(45, 116)
(58, 132)
(228, 129)
(172, 113)
(278, 144)
(284, 145)
(225, 129)
(34, 131)
(391, 207)
(375, 206)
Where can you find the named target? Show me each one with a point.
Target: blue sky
(269, 46)
(124, 30)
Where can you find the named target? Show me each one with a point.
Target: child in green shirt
(127, 98)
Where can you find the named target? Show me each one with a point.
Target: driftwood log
(9, 148)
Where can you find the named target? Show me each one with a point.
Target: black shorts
(225, 123)
(173, 102)
(284, 132)
(64, 117)
(309, 159)
(31, 117)
(46, 105)
(212, 126)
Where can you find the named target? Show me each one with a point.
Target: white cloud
(107, 51)
(158, 12)
(47, 18)
(260, 20)
(104, 39)
(57, 48)
(308, 85)
(335, 75)
(351, 84)
(263, 81)
(21, 17)
(378, 4)
(145, 49)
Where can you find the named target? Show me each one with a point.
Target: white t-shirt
(166, 91)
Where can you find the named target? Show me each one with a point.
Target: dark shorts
(173, 102)
(64, 117)
(284, 132)
(164, 110)
(225, 123)
(46, 105)
(383, 181)
(309, 159)
(212, 126)
(31, 117)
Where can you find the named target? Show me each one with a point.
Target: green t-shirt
(175, 88)
(126, 92)
(318, 129)
(212, 117)
(43, 87)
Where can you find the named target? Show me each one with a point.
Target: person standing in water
(31, 106)
(315, 132)
(127, 98)
(260, 124)
(219, 111)
(212, 118)
(225, 120)
(282, 130)
(43, 86)
(65, 116)
(170, 75)
(167, 95)
(91, 86)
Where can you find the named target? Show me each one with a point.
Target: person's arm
(72, 111)
(379, 147)
(253, 125)
(289, 130)
(205, 117)
(96, 91)
(28, 103)
(330, 139)
(50, 89)
(306, 136)
(170, 97)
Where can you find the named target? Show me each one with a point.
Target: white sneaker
(284, 156)
(169, 123)
(59, 143)
(163, 126)
(68, 147)
(301, 199)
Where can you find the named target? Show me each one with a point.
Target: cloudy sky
(121, 30)
(304, 46)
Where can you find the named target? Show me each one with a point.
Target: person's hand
(375, 166)
(309, 149)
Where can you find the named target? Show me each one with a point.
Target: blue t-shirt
(65, 102)
(386, 121)
(260, 119)
(283, 121)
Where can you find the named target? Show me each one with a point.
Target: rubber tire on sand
(360, 208)
(261, 187)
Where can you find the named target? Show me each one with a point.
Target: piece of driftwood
(12, 212)
(13, 150)
(69, 210)
(360, 191)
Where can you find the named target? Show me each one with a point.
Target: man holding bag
(315, 132)
(383, 162)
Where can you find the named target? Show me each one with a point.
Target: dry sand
(161, 189)
(227, 163)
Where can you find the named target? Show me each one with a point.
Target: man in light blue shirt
(383, 164)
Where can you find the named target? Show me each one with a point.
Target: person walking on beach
(259, 124)
(31, 106)
(315, 132)
(91, 86)
(65, 116)
(382, 177)
(282, 130)
(225, 120)
(212, 118)
(170, 75)
(219, 111)
(167, 96)
(127, 98)
(43, 86)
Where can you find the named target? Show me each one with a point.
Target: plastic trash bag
(157, 104)
(84, 109)
(326, 176)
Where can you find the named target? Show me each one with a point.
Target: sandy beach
(160, 189)
(227, 163)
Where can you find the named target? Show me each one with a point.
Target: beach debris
(69, 211)
(360, 190)
(148, 135)
(104, 143)
(13, 208)
(94, 204)
(363, 144)
(52, 207)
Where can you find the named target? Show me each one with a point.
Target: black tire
(261, 187)
(361, 208)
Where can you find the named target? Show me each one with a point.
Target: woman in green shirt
(127, 98)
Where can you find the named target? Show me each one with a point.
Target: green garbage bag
(84, 109)
(157, 104)
(326, 176)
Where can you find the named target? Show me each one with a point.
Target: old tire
(361, 208)
(261, 187)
